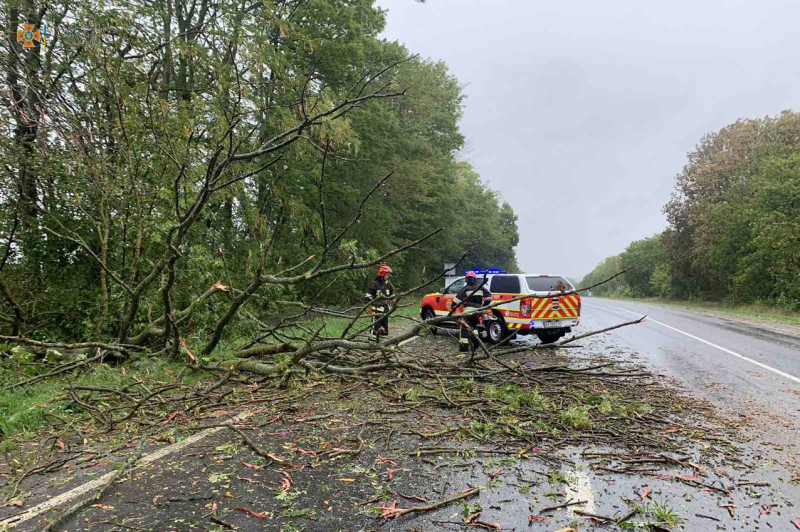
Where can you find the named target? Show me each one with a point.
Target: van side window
(505, 284)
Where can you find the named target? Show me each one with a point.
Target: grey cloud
(581, 112)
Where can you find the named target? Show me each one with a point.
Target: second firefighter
(473, 295)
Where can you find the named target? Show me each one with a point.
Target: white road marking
(15, 520)
(580, 489)
(404, 342)
(58, 500)
(723, 349)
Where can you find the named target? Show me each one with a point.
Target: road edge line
(724, 349)
(58, 500)
(408, 341)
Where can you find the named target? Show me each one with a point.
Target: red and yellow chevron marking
(542, 308)
(538, 306)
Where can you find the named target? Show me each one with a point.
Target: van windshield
(548, 284)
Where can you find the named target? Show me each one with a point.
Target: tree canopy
(734, 222)
(167, 164)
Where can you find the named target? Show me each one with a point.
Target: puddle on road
(718, 497)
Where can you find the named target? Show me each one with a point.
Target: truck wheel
(428, 314)
(497, 331)
(548, 338)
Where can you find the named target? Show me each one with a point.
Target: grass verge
(33, 407)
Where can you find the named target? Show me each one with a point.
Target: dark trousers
(380, 322)
(465, 335)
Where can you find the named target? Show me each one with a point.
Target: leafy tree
(604, 270)
(642, 257)
(167, 173)
(733, 233)
(772, 271)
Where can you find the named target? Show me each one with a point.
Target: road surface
(743, 367)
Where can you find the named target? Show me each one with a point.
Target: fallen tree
(164, 191)
(271, 354)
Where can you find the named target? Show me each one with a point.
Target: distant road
(742, 366)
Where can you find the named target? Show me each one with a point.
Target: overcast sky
(581, 112)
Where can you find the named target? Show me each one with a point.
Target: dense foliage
(734, 223)
(154, 149)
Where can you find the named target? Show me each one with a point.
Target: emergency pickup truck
(545, 313)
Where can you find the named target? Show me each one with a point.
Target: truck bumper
(539, 326)
(543, 325)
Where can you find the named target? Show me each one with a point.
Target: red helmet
(472, 275)
(383, 270)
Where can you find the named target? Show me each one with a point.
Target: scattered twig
(255, 447)
(564, 505)
(392, 513)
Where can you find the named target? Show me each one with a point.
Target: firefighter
(380, 297)
(473, 295)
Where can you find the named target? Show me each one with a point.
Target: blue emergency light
(488, 272)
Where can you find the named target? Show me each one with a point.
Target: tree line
(734, 223)
(183, 168)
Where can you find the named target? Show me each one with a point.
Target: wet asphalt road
(769, 392)
(176, 492)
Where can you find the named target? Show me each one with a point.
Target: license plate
(551, 323)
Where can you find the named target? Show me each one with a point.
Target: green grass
(483, 430)
(328, 327)
(664, 513)
(469, 509)
(333, 326)
(32, 407)
(657, 514)
(516, 398)
(747, 311)
(576, 417)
